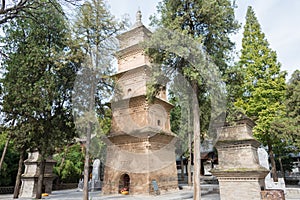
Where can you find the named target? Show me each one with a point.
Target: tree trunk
(4, 152)
(281, 168)
(88, 135)
(40, 182)
(87, 163)
(197, 155)
(273, 164)
(190, 160)
(18, 179)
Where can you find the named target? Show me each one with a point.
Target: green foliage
(205, 22)
(9, 168)
(283, 155)
(263, 87)
(289, 125)
(69, 166)
(105, 121)
(94, 30)
(95, 26)
(11, 9)
(181, 122)
(39, 73)
(210, 22)
(293, 107)
(261, 94)
(98, 146)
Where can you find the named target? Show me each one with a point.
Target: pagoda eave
(120, 73)
(131, 32)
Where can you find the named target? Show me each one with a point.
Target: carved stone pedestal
(239, 173)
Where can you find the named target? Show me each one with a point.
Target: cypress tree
(38, 82)
(293, 107)
(263, 87)
(289, 125)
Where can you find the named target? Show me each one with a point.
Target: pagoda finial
(138, 21)
(139, 15)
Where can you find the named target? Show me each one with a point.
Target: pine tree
(263, 87)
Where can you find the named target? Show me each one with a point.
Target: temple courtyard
(209, 192)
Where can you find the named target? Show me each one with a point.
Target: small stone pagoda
(30, 176)
(239, 173)
(140, 147)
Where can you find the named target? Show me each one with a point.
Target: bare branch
(9, 9)
(12, 8)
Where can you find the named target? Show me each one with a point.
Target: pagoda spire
(138, 21)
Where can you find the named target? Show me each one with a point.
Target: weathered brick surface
(133, 37)
(130, 61)
(239, 173)
(141, 183)
(136, 112)
(140, 143)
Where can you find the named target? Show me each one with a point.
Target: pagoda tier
(141, 146)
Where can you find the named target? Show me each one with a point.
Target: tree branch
(3, 5)
(8, 12)
(16, 8)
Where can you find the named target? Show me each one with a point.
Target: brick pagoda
(141, 147)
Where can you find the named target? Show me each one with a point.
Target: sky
(279, 20)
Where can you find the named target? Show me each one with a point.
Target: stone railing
(65, 186)
(7, 190)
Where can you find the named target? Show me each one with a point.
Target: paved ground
(74, 194)
(209, 192)
(77, 195)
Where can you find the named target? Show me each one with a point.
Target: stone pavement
(186, 193)
(77, 195)
(209, 192)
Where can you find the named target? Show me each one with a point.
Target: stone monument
(239, 172)
(140, 146)
(95, 181)
(30, 176)
(80, 184)
(269, 183)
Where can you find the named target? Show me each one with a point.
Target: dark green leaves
(38, 80)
